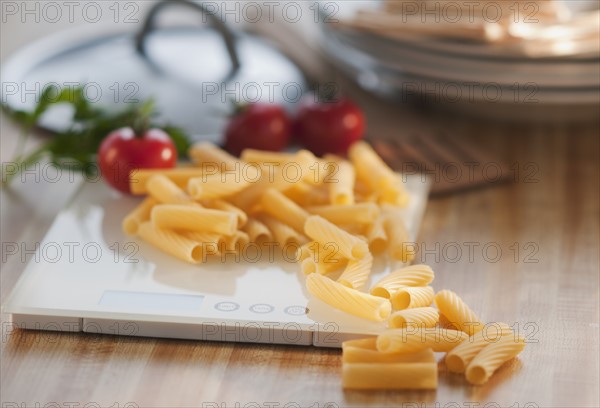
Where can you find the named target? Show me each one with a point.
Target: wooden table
(545, 281)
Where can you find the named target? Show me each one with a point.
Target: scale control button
(261, 308)
(227, 306)
(296, 310)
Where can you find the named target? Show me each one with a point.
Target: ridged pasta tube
(412, 296)
(365, 351)
(459, 358)
(172, 243)
(190, 218)
(420, 317)
(488, 360)
(348, 300)
(357, 272)
(324, 232)
(457, 312)
(414, 275)
(413, 339)
(138, 215)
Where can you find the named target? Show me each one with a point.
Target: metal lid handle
(220, 26)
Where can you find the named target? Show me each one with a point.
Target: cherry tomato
(328, 126)
(258, 126)
(123, 151)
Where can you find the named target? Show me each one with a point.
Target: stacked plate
(537, 66)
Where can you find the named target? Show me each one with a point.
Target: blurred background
(423, 70)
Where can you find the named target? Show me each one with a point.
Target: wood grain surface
(534, 263)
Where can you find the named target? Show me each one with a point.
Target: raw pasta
(139, 214)
(189, 218)
(389, 376)
(257, 231)
(165, 191)
(341, 182)
(412, 296)
(414, 275)
(172, 243)
(420, 317)
(325, 232)
(348, 300)
(459, 358)
(223, 205)
(376, 235)
(179, 176)
(400, 247)
(414, 339)
(212, 158)
(493, 355)
(216, 185)
(357, 272)
(457, 312)
(285, 210)
(283, 234)
(365, 351)
(362, 213)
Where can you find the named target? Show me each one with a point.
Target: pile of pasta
(330, 211)
(335, 215)
(402, 357)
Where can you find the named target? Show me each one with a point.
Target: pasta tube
(400, 247)
(179, 176)
(223, 205)
(357, 272)
(363, 213)
(341, 191)
(285, 210)
(370, 168)
(257, 231)
(325, 232)
(165, 191)
(171, 243)
(411, 340)
(376, 235)
(193, 219)
(283, 234)
(139, 214)
(365, 351)
(419, 317)
(216, 185)
(459, 358)
(457, 312)
(348, 300)
(412, 296)
(389, 376)
(212, 243)
(213, 158)
(414, 275)
(492, 357)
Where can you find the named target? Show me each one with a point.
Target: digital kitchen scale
(88, 276)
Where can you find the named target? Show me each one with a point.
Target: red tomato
(123, 151)
(258, 126)
(328, 127)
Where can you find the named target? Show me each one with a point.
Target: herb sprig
(75, 148)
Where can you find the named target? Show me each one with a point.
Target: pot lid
(192, 73)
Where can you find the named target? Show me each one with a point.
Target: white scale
(88, 276)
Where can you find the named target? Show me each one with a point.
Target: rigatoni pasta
(171, 242)
(412, 296)
(461, 356)
(139, 214)
(183, 217)
(491, 357)
(325, 232)
(457, 312)
(419, 317)
(349, 300)
(167, 192)
(414, 275)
